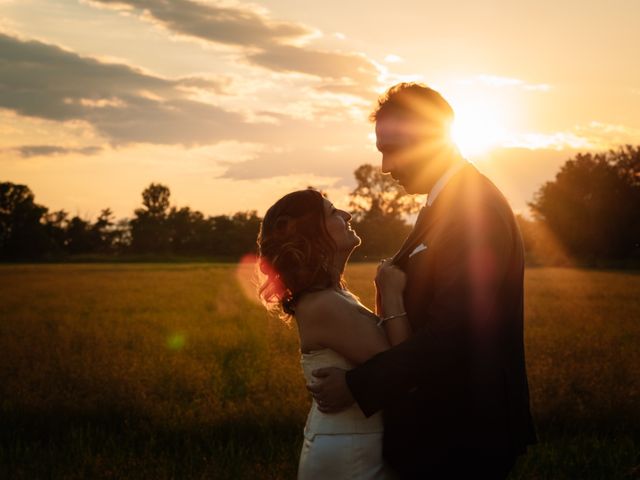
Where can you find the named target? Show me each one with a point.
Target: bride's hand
(390, 280)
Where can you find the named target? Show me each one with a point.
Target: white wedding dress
(343, 445)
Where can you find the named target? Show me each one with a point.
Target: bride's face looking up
(339, 229)
(304, 242)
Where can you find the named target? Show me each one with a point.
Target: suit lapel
(421, 226)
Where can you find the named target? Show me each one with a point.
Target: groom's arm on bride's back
(472, 253)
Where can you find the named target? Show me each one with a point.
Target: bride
(304, 244)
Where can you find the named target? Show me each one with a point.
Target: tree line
(590, 213)
(28, 231)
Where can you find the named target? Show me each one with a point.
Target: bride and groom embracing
(433, 384)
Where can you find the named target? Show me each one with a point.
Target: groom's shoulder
(481, 195)
(476, 208)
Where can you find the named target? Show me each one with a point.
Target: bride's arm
(390, 283)
(328, 319)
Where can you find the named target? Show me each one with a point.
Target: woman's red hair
(295, 250)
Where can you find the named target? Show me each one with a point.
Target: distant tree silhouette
(589, 211)
(121, 240)
(626, 160)
(379, 206)
(593, 205)
(187, 230)
(55, 224)
(79, 236)
(22, 233)
(235, 235)
(155, 199)
(163, 229)
(149, 227)
(103, 233)
(377, 194)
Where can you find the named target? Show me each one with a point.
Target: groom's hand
(331, 391)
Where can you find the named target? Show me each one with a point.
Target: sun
(478, 126)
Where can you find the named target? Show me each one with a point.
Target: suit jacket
(459, 382)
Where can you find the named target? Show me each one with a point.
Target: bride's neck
(339, 264)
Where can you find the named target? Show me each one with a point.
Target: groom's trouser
(462, 464)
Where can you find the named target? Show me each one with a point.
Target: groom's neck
(438, 167)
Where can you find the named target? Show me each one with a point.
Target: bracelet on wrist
(390, 317)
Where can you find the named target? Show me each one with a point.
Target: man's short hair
(414, 99)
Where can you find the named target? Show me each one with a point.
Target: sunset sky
(233, 104)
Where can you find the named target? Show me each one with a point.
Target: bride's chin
(355, 243)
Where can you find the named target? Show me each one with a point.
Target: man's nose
(346, 215)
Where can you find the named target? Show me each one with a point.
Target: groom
(455, 395)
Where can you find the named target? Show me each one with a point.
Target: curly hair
(295, 251)
(415, 98)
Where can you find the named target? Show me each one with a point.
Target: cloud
(275, 45)
(230, 25)
(351, 73)
(393, 58)
(27, 151)
(592, 136)
(122, 103)
(606, 135)
(502, 82)
(551, 141)
(335, 161)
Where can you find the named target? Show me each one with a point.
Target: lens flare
(176, 341)
(247, 277)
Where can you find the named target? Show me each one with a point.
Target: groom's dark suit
(457, 390)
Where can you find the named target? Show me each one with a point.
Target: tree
(235, 235)
(627, 162)
(379, 206)
(149, 228)
(103, 233)
(187, 230)
(122, 238)
(79, 238)
(592, 205)
(155, 198)
(378, 194)
(55, 224)
(22, 233)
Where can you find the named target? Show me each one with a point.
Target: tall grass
(170, 371)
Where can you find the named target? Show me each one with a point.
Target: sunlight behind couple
(479, 126)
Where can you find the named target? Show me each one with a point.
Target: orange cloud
(275, 45)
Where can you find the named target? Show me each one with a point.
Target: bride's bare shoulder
(320, 303)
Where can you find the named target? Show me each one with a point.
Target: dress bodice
(350, 420)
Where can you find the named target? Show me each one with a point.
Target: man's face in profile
(407, 144)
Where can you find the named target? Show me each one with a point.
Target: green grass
(169, 371)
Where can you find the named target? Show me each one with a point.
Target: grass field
(168, 371)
